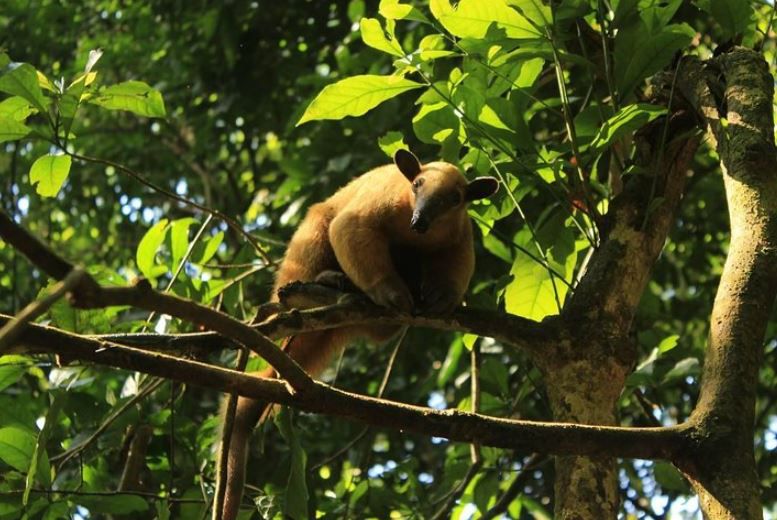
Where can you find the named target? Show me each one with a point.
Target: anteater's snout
(419, 223)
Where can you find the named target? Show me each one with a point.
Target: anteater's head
(440, 189)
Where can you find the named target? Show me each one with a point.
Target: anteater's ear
(407, 163)
(481, 188)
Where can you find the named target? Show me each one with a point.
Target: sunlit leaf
(355, 96)
(625, 121)
(394, 10)
(16, 108)
(374, 36)
(134, 96)
(179, 239)
(11, 130)
(148, 246)
(48, 173)
(391, 142)
(473, 18)
(211, 246)
(536, 11)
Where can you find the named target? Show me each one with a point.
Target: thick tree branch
(723, 468)
(527, 436)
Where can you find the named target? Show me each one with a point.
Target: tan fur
(356, 230)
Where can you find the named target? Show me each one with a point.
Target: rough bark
(722, 467)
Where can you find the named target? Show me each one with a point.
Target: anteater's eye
(418, 183)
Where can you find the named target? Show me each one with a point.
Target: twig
(11, 330)
(64, 457)
(89, 294)
(232, 223)
(516, 486)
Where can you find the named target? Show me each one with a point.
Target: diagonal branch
(527, 436)
(89, 294)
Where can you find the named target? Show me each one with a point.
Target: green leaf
(148, 246)
(114, 505)
(393, 10)
(179, 240)
(734, 16)
(432, 47)
(639, 55)
(355, 96)
(16, 447)
(451, 363)
(134, 96)
(211, 246)
(12, 368)
(537, 12)
(668, 343)
(374, 36)
(16, 108)
(625, 121)
(435, 123)
(295, 503)
(11, 130)
(21, 79)
(39, 462)
(682, 369)
(391, 142)
(473, 18)
(669, 478)
(48, 173)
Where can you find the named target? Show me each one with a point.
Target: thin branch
(232, 223)
(515, 488)
(89, 294)
(12, 328)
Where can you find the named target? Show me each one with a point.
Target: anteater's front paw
(393, 295)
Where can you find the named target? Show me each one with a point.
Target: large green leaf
(536, 11)
(625, 121)
(436, 123)
(21, 79)
(639, 54)
(134, 96)
(16, 108)
(49, 172)
(16, 447)
(355, 96)
(147, 248)
(11, 130)
(473, 18)
(734, 16)
(374, 36)
(12, 368)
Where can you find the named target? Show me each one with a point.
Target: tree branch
(528, 436)
(723, 468)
